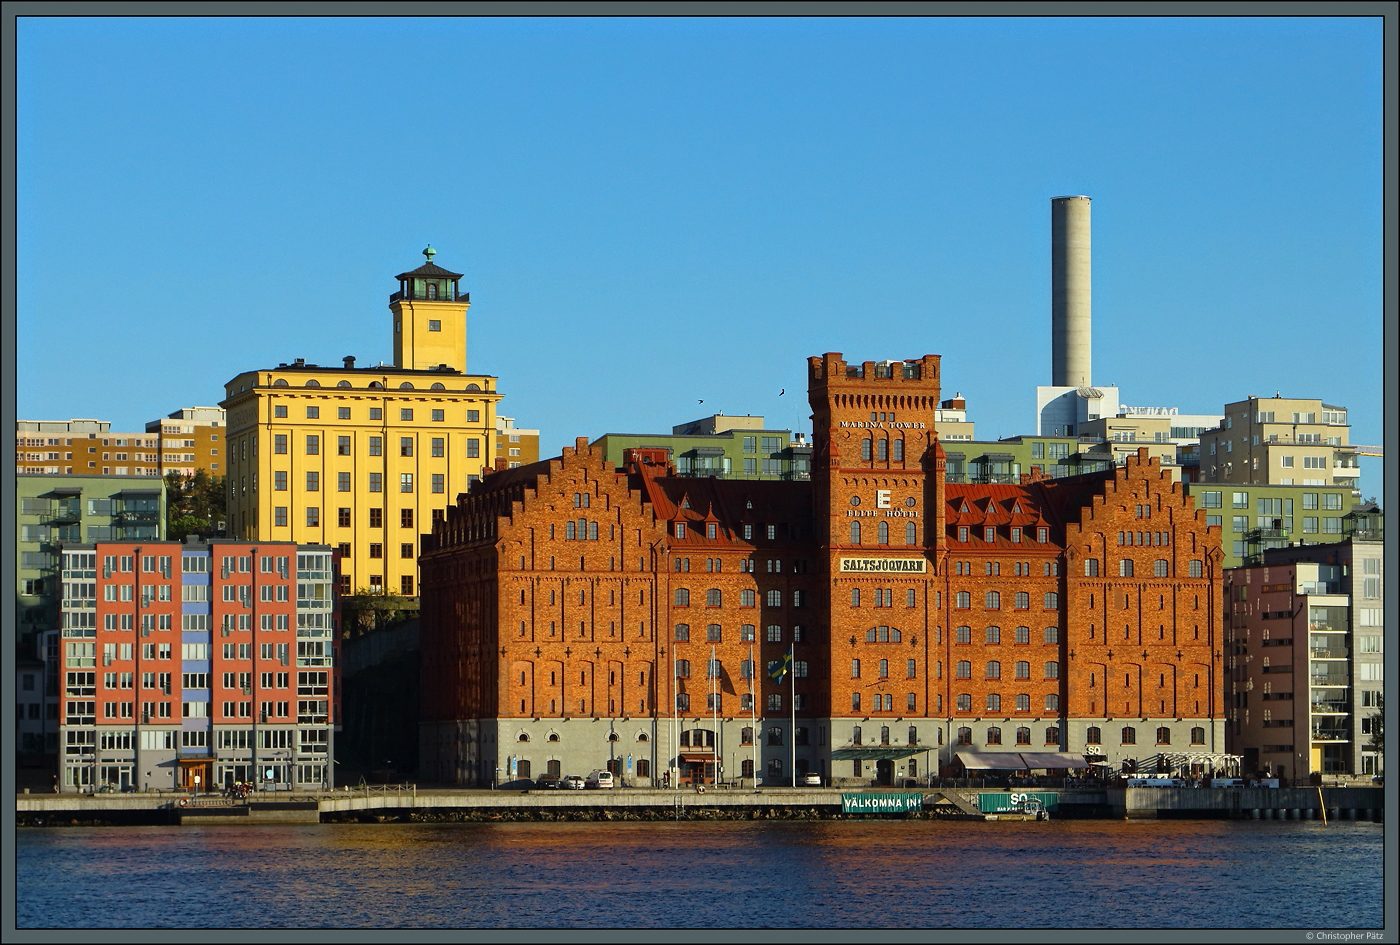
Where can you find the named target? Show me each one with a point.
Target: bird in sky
(782, 392)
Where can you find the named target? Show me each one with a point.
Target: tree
(195, 505)
(372, 608)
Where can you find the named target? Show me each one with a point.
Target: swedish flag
(778, 669)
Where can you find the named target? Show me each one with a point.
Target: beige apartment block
(1280, 441)
(83, 447)
(192, 438)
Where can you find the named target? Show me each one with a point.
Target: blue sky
(654, 212)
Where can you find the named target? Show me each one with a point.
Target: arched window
(375, 385)
(280, 382)
(569, 531)
(855, 597)
(1159, 567)
(1052, 601)
(882, 449)
(855, 533)
(552, 737)
(1129, 735)
(993, 600)
(1023, 735)
(993, 703)
(882, 533)
(343, 384)
(682, 669)
(964, 669)
(1195, 569)
(899, 450)
(1052, 634)
(1052, 670)
(1052, 735)
(1092, 735)
(884, 669)
(911, 533)
(965, 733)
(775, 598)
(1052, 702)
(993, 669)
(1091, 567)
(747, 597)
(865, 448)
(1023, 600)
(473, 387)
(313, 383)
(994, 634)
(1023, 634)
(964, 600)
(1125, 567)
(1164, 735)
(993, 731)
(714, 597)
(438, 385)
(1023, 704)
(713, 634)
(964, 635)
(406, 386)
(432, 290)
(683, 632)
(682, 597)
(1023, 669)
(965, 702)
(1198, 735)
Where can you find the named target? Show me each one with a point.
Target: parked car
(599, 779)
(811, 779)
(547, 782)
(572, 783)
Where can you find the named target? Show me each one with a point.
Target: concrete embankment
(412, 804)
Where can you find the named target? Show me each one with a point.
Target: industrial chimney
(1070, 292)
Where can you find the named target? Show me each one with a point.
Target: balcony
(1330, 653)
(1330, 733)
(1329, 707)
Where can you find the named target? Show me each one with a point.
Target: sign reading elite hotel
(881, 803)
(883, 565)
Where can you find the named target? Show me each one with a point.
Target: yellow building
(516, 446)
(363, 458)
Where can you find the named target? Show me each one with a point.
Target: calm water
(889, 874)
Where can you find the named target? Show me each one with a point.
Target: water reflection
(872, 874)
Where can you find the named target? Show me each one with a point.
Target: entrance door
(884, 771)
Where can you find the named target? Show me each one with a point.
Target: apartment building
(1280, 441)
(1305, 632)
(192, 438)
(197, 665)
(83, 448)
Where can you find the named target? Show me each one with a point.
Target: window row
(1019, 568)
(714, 702)
(438, 415)
(715, 670)
(1019, 635)
(714, 633)
(437, 446)
(1023, 735)
(714, 597)
(1014, 533)
(1128, 735)
(992, 600)
(375, 481)
(992, 669)
(882, 668)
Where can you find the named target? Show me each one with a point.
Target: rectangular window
(439, 416)
(279, 481)
(376, 446)
(405, 482)
(405, 446)
(279, 517)
(439, 482)
(313, 517)
(342, 482)
(279, 443)
(313, 413)
(342, 446)
(342, 413)
(313, 444)
(405, 414)
(473, 448)
(376, 482)
(313, 481)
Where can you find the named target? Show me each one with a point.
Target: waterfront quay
(412, 803)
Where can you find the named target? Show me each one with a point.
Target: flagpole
(753, 715)
(792, 748)
(714, 707)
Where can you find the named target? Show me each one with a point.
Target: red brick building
(583, 616)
